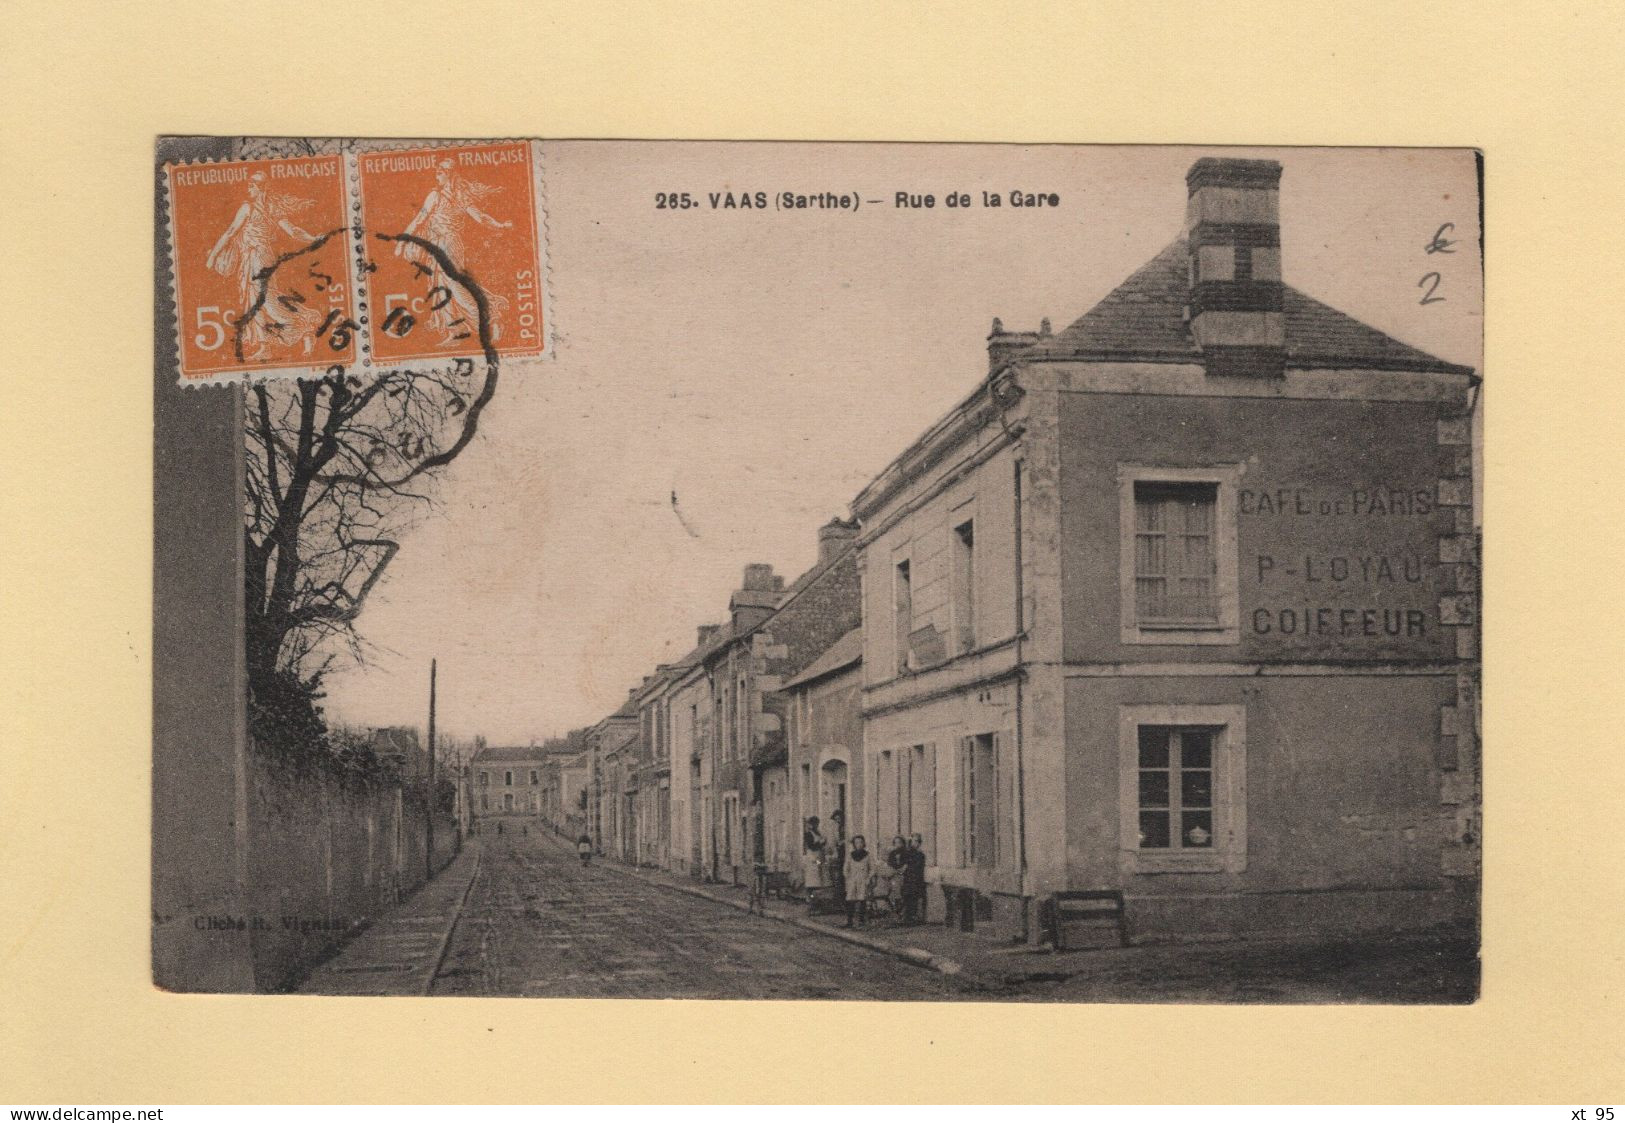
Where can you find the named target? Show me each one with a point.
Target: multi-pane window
(533, 777)
(485, 779)
(1175, 559)
(1176, 787)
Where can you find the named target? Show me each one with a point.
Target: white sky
(766, 365)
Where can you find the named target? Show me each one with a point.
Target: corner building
(1181, 601)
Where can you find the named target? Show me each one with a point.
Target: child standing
(859, 870)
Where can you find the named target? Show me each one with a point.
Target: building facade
(825, 768)
(1181, 601)
(701, 749)
(505, 780)
(612, 746)
(689, 706)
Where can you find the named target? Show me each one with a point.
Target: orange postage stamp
(358, 260)
(261, 267)
(451, 250)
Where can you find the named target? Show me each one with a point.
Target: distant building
(506, 781)
(566, 783)
(399, 745)
(1180, 601)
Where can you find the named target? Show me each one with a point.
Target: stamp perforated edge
(348, 149)
(310, 372)
(358, 248)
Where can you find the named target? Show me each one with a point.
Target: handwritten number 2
(1428, 297)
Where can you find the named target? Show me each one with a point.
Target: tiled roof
(841, 654)
(817, 571)
(1143, 319)
(726, 635)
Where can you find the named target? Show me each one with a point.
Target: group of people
(855, 873)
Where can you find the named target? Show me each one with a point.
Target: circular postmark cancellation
(398, 412)
(358, 263)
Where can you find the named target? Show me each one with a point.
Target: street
(539, 924)
(517, 915)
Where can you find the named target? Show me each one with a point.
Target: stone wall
(326, 855)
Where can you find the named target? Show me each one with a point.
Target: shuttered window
(1175, 566)
(978, 801)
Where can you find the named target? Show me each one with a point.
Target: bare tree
(337, 469)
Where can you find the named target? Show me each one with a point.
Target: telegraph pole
(428, 849)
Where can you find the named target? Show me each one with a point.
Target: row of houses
(1179, 601)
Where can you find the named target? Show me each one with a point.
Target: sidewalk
(400, 952)
(1388, 967)
(978, 960)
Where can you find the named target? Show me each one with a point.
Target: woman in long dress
(441, 221)
(812, 856)
(246, 251)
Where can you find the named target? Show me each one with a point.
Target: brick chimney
(833, 537)
(759, 577)
(756, 598)
(1002, 346)
(1233, 229)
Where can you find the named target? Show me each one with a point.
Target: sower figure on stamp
(441, 221)
(247, 250)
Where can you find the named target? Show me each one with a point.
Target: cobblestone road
(538, 924)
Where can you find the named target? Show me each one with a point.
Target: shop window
(1178, 558)
(1183, 788)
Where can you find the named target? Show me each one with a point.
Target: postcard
(926, 572)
